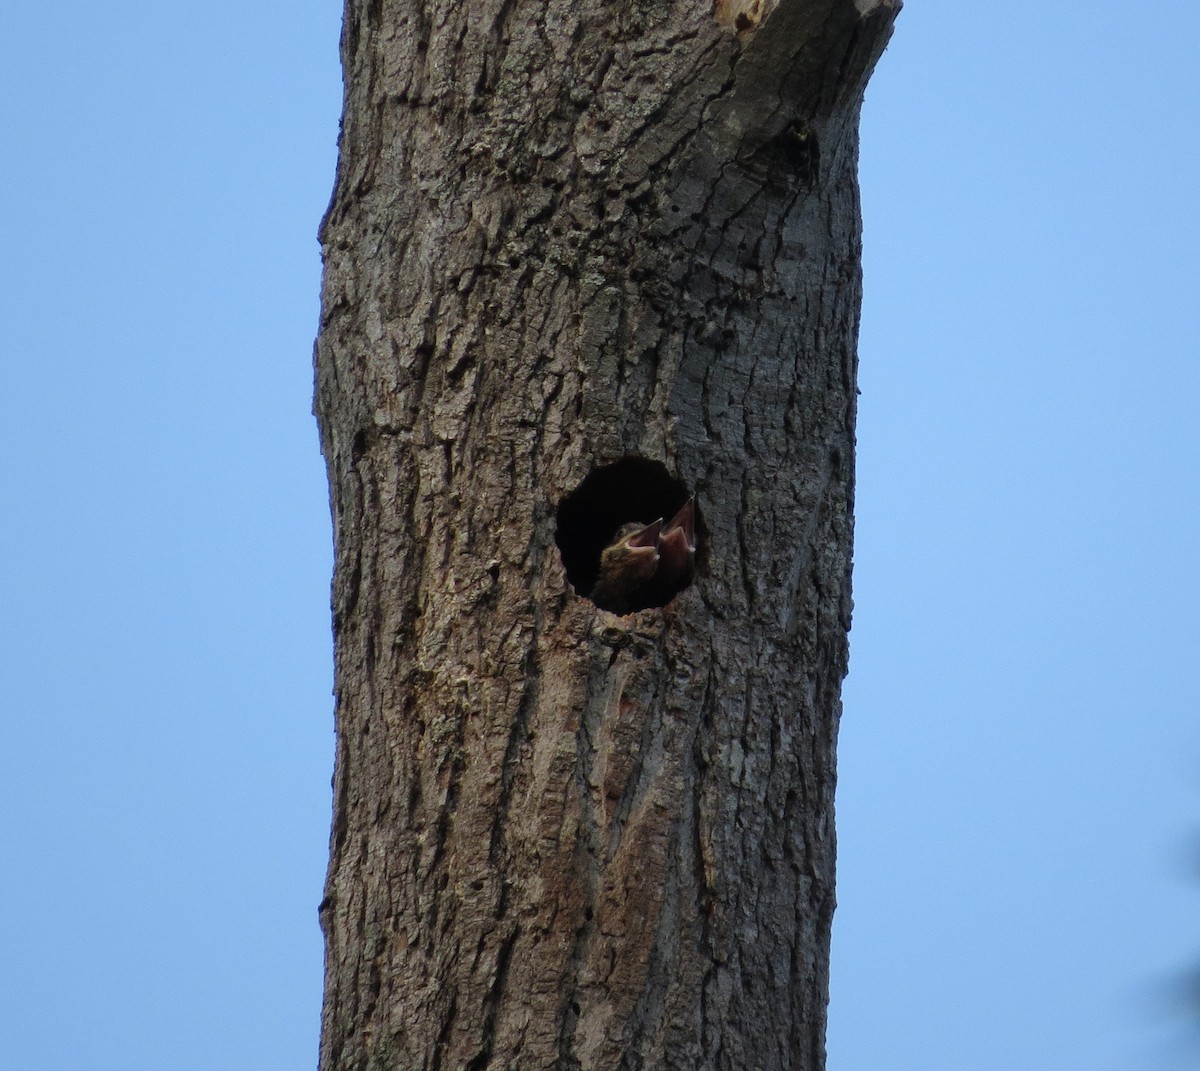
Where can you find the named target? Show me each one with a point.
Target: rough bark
(563, 234)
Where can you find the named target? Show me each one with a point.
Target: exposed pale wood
(563, 233)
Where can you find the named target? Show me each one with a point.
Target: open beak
(677, 544)
(645, 539)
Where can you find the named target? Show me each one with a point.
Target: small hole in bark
(626, 497)
(792, 158)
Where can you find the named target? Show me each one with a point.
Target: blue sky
(1020, 762)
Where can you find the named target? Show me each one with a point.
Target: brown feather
(626, 565)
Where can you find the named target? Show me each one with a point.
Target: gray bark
(563, 234)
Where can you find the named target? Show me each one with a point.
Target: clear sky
(1019, 797)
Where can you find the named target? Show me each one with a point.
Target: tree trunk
(565, 236)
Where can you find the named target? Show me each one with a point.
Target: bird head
(677, 546)
(627, 563)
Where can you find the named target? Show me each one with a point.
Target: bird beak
(681, 529)
(645, 539)
(677, 548)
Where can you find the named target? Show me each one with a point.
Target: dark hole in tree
(629, 490)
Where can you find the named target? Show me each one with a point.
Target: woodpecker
(677, 550)
(647, 565)
(626, 564)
